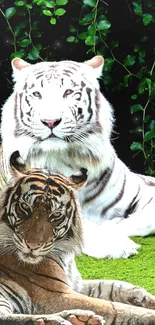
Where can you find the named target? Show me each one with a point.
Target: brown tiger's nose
(33, 245)
(51, 123)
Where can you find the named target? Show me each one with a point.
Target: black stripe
(35, 179)
(100, 184)
(99, 289)
(130, 209)
(51, 277)
(111, 291)
(14, 296)
(147, 202)
(90, 111)
(117, 199)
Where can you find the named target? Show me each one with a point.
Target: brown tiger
(41, 230)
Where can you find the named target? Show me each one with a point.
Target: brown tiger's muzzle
(37, 231)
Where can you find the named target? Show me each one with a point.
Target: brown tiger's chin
(29, 258)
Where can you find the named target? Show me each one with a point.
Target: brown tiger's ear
(19, 64)
(17, 164)
(97, 63)
(79, 179)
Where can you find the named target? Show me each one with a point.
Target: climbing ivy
(94, 28)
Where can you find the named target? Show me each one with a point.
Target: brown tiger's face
(41, 216)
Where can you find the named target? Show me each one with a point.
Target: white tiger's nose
(51, 124)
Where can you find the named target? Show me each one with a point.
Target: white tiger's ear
(79, 179)
(18, 64)
(17, 165)
(97, 63)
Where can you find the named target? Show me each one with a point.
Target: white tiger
(58, 119)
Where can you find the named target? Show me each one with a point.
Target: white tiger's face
(56, 101)
(58, 118)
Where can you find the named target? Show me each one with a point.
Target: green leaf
(23, 24)
(137, 8)
(50, 4)
(142, 53)
(19, 54)
(107, 80)
(38, 47)
(33, 55)
(137, 130)
(143, 85)
(149, 135)
(148, 81)
(126, 80)
(136, 146)
(83, 35)
(144, 38)
(38, 34)
(114, 44)
(91, 29)
(72, 29)
(60, 12)
(134, 96)
(47, 13)
(10, 12)
(129, 60)
(24, 42)
(91, 3)
(136, 108)
(108, 64)
(19, 3)
(103, 25)
(147, 118)
(87, 19)
(70, 39)
(62, 2)
(152, 125)
(147, 18)
(136, 48)
(53, 21)
(29, 6)
(90, 40)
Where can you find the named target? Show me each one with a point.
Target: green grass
(139, 269)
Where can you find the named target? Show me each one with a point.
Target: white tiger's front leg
(98, 243)
(118, 291)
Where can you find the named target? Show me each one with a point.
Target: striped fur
(58, 119)
(40, 232)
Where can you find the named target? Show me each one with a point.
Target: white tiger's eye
(37, 94)
(67, 92)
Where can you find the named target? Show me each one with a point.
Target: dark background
(124, 29)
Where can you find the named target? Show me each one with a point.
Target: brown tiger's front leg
(73, 317)
(114, 313)
(68, 317)
(118, 291)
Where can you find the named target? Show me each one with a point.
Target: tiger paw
(82, 317)
(85, 318)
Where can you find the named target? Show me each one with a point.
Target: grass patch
(138, 270)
